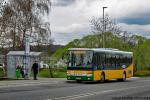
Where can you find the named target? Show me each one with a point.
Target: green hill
(140, 50)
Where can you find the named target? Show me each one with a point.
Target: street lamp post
(104, 27)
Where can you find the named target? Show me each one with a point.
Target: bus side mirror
(62, 57)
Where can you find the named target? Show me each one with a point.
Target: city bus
(99, 64)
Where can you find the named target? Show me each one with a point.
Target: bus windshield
(80, 59)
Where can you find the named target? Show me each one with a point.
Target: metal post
(104, 28)
(27, 57)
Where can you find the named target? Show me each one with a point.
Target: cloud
(143, 30)
(73, 28)
(128, 8)
(70, 19)
(62, 2)
(63, 34)
(130, 11)
(138, 21)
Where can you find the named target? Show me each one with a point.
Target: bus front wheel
(123, 77)
(79, 81)
(102, 80)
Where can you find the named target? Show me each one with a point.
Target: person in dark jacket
(35, 68)
(22, 72)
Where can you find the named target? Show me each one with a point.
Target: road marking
(94, 93)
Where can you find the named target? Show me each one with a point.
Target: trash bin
(17, 73)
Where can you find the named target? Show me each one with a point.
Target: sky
(70, 19)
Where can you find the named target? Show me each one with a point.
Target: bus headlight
(84, 74)
(89, 75)
(68, 74)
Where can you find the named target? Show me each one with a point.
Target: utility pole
(104, 27)
(27, 56)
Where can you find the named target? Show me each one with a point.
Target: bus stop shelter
(17, 58)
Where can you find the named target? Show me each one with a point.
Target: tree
(110, 26)
(99, 25)
(21, 17)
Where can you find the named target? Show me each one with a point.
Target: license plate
(78, 78)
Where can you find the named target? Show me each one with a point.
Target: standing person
(22, 72)
(35, 70)
(18, 71)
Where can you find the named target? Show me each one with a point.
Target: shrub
(57, 73)
(1, 72)
(142, 73)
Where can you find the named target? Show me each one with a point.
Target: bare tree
(99, 25)
(109, 25)
(21, 17)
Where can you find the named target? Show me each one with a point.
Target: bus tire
(102, 80)
(123, 77)
(79, 81)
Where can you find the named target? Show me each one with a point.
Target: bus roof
(100, 50)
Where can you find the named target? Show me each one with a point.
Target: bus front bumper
(82, 78)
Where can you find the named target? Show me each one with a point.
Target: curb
(30, 82)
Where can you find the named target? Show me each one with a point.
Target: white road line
(94, 93)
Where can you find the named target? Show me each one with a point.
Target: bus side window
(118, 65)
(97, 56)
(102, 56)
(115, 58)
(119, 62)
(129, 61)
(126, 61)
(113, 61)
(102, 62)
(99, 61)
(93, 60)
(109, 61)
(73, 59)
(105, 62)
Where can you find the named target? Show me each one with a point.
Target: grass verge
(57, 73)
(142, 73)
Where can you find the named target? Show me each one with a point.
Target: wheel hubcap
(102, 78)
(124, 77)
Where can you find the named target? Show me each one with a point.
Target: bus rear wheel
(123, 77)
(102, 80)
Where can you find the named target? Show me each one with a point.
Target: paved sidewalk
(30, 82)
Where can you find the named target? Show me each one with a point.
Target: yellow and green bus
(99, 64)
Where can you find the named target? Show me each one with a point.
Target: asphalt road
(132, 89)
